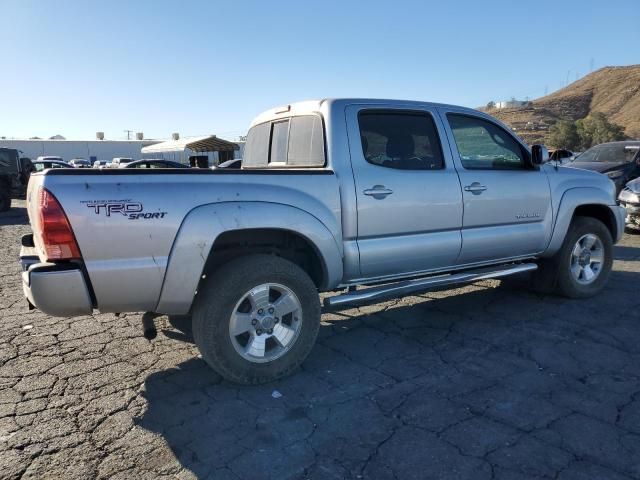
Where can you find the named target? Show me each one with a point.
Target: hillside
(614, 91)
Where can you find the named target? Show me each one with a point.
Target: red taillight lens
(58, 240)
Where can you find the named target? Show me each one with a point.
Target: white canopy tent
(180, 150)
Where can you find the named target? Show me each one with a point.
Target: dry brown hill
(614, 91)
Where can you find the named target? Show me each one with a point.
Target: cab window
(400, 140)
(483, 145)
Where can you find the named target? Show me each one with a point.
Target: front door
(507, 201)
(408, 195)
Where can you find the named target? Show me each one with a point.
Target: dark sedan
(620, 161)
(154, 163)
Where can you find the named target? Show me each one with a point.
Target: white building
(89, 149)
(513, 103)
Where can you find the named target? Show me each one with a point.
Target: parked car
(396, 197)
(234, 163)
(620, 161)
(100, 164)
(80, 163)
(561, 155)
(40, 165)
(154, 163)
(14, 175)
(49, 158)
(119, 162)
(629, 198)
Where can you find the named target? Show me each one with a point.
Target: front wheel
(256, 319)
(582, 266)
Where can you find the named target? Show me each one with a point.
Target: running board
(401, 289)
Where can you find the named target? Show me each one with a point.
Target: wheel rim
(587, 258)
(265, 323)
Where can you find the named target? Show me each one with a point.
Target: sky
(208, 67)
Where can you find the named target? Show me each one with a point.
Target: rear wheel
(583, 264)
(256, 319)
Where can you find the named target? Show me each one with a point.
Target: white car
(49, 158)
(119, 162)
(40, 165)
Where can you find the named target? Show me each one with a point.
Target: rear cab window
(292, 142)
(403, 140)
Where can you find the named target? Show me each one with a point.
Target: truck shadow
(15, 216)
(326, 420)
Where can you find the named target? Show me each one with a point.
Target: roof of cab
(313, 106)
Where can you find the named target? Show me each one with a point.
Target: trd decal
(127, 208)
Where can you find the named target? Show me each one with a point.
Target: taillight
(58, 240)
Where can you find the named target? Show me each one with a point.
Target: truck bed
(126, 221)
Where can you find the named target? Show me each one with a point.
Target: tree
(491, 105)
(564, 134)
(595, 129)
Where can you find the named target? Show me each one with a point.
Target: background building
(89, 149)
(513, 103)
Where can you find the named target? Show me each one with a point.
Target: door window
(483, 145)
(400, 140)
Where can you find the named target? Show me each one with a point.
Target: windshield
(615, 153)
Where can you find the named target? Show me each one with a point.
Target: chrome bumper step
(403, 288)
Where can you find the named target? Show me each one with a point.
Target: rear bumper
(55, 289)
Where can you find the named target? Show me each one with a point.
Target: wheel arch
(211, 235)
(586, 202)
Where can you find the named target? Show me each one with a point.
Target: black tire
(554, 274)
(217, 299)
(5, 200)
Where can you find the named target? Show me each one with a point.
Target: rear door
(507, 201)
(409, 202)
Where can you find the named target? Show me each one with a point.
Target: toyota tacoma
(366, 199)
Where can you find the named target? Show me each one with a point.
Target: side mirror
(539, 154)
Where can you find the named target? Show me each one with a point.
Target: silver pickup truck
(368, 199)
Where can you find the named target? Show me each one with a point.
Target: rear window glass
(297, 142)
(279, 141)
(306, 142)
(256, 150)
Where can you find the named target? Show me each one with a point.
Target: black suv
(14, 175)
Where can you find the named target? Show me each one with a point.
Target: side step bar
(400, 289)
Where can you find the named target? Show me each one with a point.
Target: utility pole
(129, 132)
(591, 65)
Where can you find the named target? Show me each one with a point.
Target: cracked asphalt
(485, 381)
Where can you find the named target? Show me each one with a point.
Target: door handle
(378, 192)
(475, 188)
